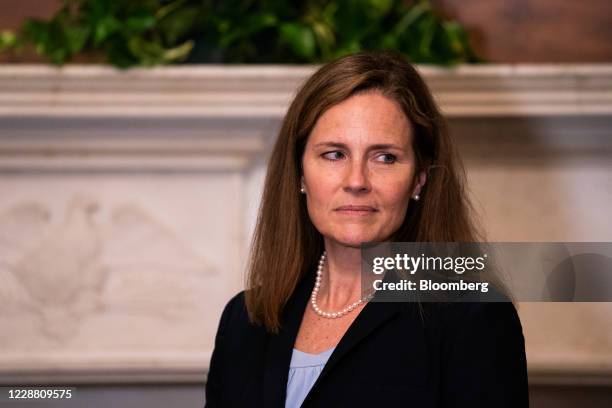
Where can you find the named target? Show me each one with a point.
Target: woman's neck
(341, 283)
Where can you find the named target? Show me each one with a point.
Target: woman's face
(359, 170)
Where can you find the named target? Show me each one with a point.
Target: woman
(362, 156)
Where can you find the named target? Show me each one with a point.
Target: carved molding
(219, 118)
(263, 91)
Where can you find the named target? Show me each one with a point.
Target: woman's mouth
(358, 210)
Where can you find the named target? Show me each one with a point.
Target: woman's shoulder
(483, 327)
(500, 319)
(234, 310)
(235, 318)
(236, 303)
(484, 319)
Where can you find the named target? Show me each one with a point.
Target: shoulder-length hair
(285, 243)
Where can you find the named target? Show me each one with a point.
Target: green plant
(152, 32)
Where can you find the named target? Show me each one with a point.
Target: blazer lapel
(280, 347)
(373, 315)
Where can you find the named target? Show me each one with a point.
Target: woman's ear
(421, 179)
(302, 185)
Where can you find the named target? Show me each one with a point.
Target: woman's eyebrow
(378, 146)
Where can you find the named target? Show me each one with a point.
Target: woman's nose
(357, 178)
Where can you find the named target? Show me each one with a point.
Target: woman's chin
(354, 240)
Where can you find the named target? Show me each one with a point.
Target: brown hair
(285, 242)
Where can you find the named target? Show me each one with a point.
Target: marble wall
(548, 179)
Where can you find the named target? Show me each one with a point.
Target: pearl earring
(303, 190)
(416, 197)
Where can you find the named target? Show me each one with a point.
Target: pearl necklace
(315, 292)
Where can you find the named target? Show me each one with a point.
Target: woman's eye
(335, 155)
(387, 158)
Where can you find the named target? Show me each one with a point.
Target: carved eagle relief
(58, 273)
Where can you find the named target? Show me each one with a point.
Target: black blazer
(393, 355)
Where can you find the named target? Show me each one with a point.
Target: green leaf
(376, 9)
(152, 52)
(104, 29)
(427, 29)
(169, 8)
(349, 48)
(178, 53)
(325, 38)
(252, 24)
(416, 12)
(178, 24)
(454, 36)
(300, 38)
(140, 23)
(8, 39)
(76, 38)
(389, 42)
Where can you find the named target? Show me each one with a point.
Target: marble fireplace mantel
(230, 112)
(100, 139)
(218, 91)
